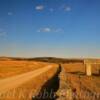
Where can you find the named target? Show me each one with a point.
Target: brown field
(31, 88)
(80, 67)
(11, 68)
(25, 91)
(87, 88)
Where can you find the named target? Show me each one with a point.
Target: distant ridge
(48, 59)
(43, 59)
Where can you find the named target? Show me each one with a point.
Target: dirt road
(15, 81)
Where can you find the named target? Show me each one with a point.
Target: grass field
(11, 68)
(31, 88)
(87, 88)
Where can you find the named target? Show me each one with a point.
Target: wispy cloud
(67, 8)
(45, 29)
(10, 13)
(48, 29)
(39, 7)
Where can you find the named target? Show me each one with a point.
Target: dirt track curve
(15, 81)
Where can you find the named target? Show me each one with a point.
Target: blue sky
(58, 28)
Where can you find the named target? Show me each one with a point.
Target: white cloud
(10, 13)
(39, 7)
(67, 8)
(48, 29)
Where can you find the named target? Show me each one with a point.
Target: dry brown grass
(86, 87)
(31, 88)
(75, 73)
(11, 68)
(80, 67)
(74, 67)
